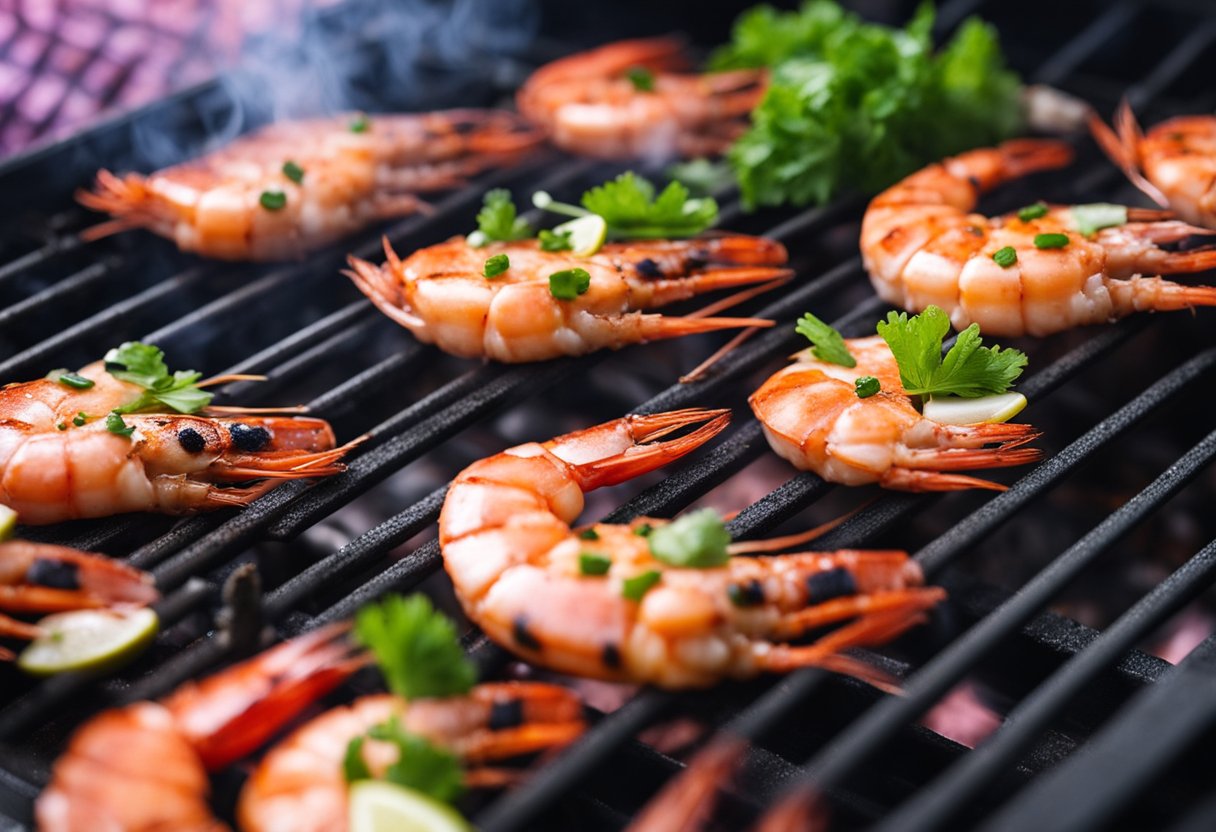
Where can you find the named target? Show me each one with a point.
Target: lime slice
(587, 234)
(89, 640)
(951, 410)
(378, 806)
(8, 522)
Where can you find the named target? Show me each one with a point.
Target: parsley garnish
(420, 764)
(1092, 218)
(568, 284)
(496, 265)
(635, 588)
(968, 369)
(497, 220)
(115, 424)
(415, 646)
(698, 540)
(559, 241)
(629, 205)
(1032, 212)
(144, 365)
(293, 171)
(829, 345)
(273, 200)
(593, 563)
(1005, 257)
(641, 78)
(866, 386)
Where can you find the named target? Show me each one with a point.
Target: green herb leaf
(293, 171)
(1005, 257)
(360, 123)
(629, 205)
(968, 369)
(829, 345)
(115, 425)
(75, 381)
(420, 765)
(497, 220)
(550, 241)
(592, 563)
(496, 265)
(697, 540)
(568, 284)
(144, 365)
(1032, 212)
(273, 200)
(1092, 218)
(641, 78)
(635, 588)
(415, 646)
(703, 177)
(1046, 241)
(860, 105)
(866, 386)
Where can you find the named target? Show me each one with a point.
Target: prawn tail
(687, 802)
(229, 715)
(380, 285)
(631, 446)
(126, 199)
(12, 628)
(1122, 147)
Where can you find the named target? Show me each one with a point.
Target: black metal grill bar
(39, 303)
(38, 256)
(1122, 759)
(939, 804)
(1088, 41)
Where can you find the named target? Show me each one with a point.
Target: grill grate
(1108, 721)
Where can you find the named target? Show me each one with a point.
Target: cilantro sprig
(420, 764)
(498, 220)
(415, 646)
(829, 345)
(968, 370)
(634, 210)
(144, 365)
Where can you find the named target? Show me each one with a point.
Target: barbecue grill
(1112, 529)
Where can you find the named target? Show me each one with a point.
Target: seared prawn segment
(441, 295)
(59, 461)
(516, 564)
(1174, 163)
(299, 785)
(627, 100)
(923, 246)
(143, 768)
(812, 417)
(293, 187)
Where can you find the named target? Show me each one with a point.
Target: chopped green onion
(643, 530)
(592, 563)
(76, 381)
(115, 425)
(568, 284)
(698, 540)
(641, 78)
(293, 171)
(1090, 219)
(360, 123)
(1032, 212)
(866, 386)
(496, 265)
(1050, 240)
(62, 426)
(550, 241)
(80, 418)
(1005, 257)
(588, 534)
(273, 200)
(636, 587)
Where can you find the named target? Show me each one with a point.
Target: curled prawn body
(442, 296)
(59, 461)
(299, 785)
(349, 171)
(1174, 162)
(514, 559)
(812, 416)
(589, 104)
(923, 246)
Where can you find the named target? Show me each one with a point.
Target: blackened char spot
(59, 574)
(975, 182)
(192, 441)
(249, 439)
(694, 262)
(611, 656)
(523, 636)
(648, 268)
(834, 583)
(750, 594)
(508, 714)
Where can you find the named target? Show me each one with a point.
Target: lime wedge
(587, 234)
(951, 410)
(88, 640)
(8, 522)
(378, 806)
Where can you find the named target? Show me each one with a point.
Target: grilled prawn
(40, 577)
(923, 246)
(626, 100)
(442, 296)
(516, 565)
(297, 186)
(812, 416)
(1174, 163)
(60, 461)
